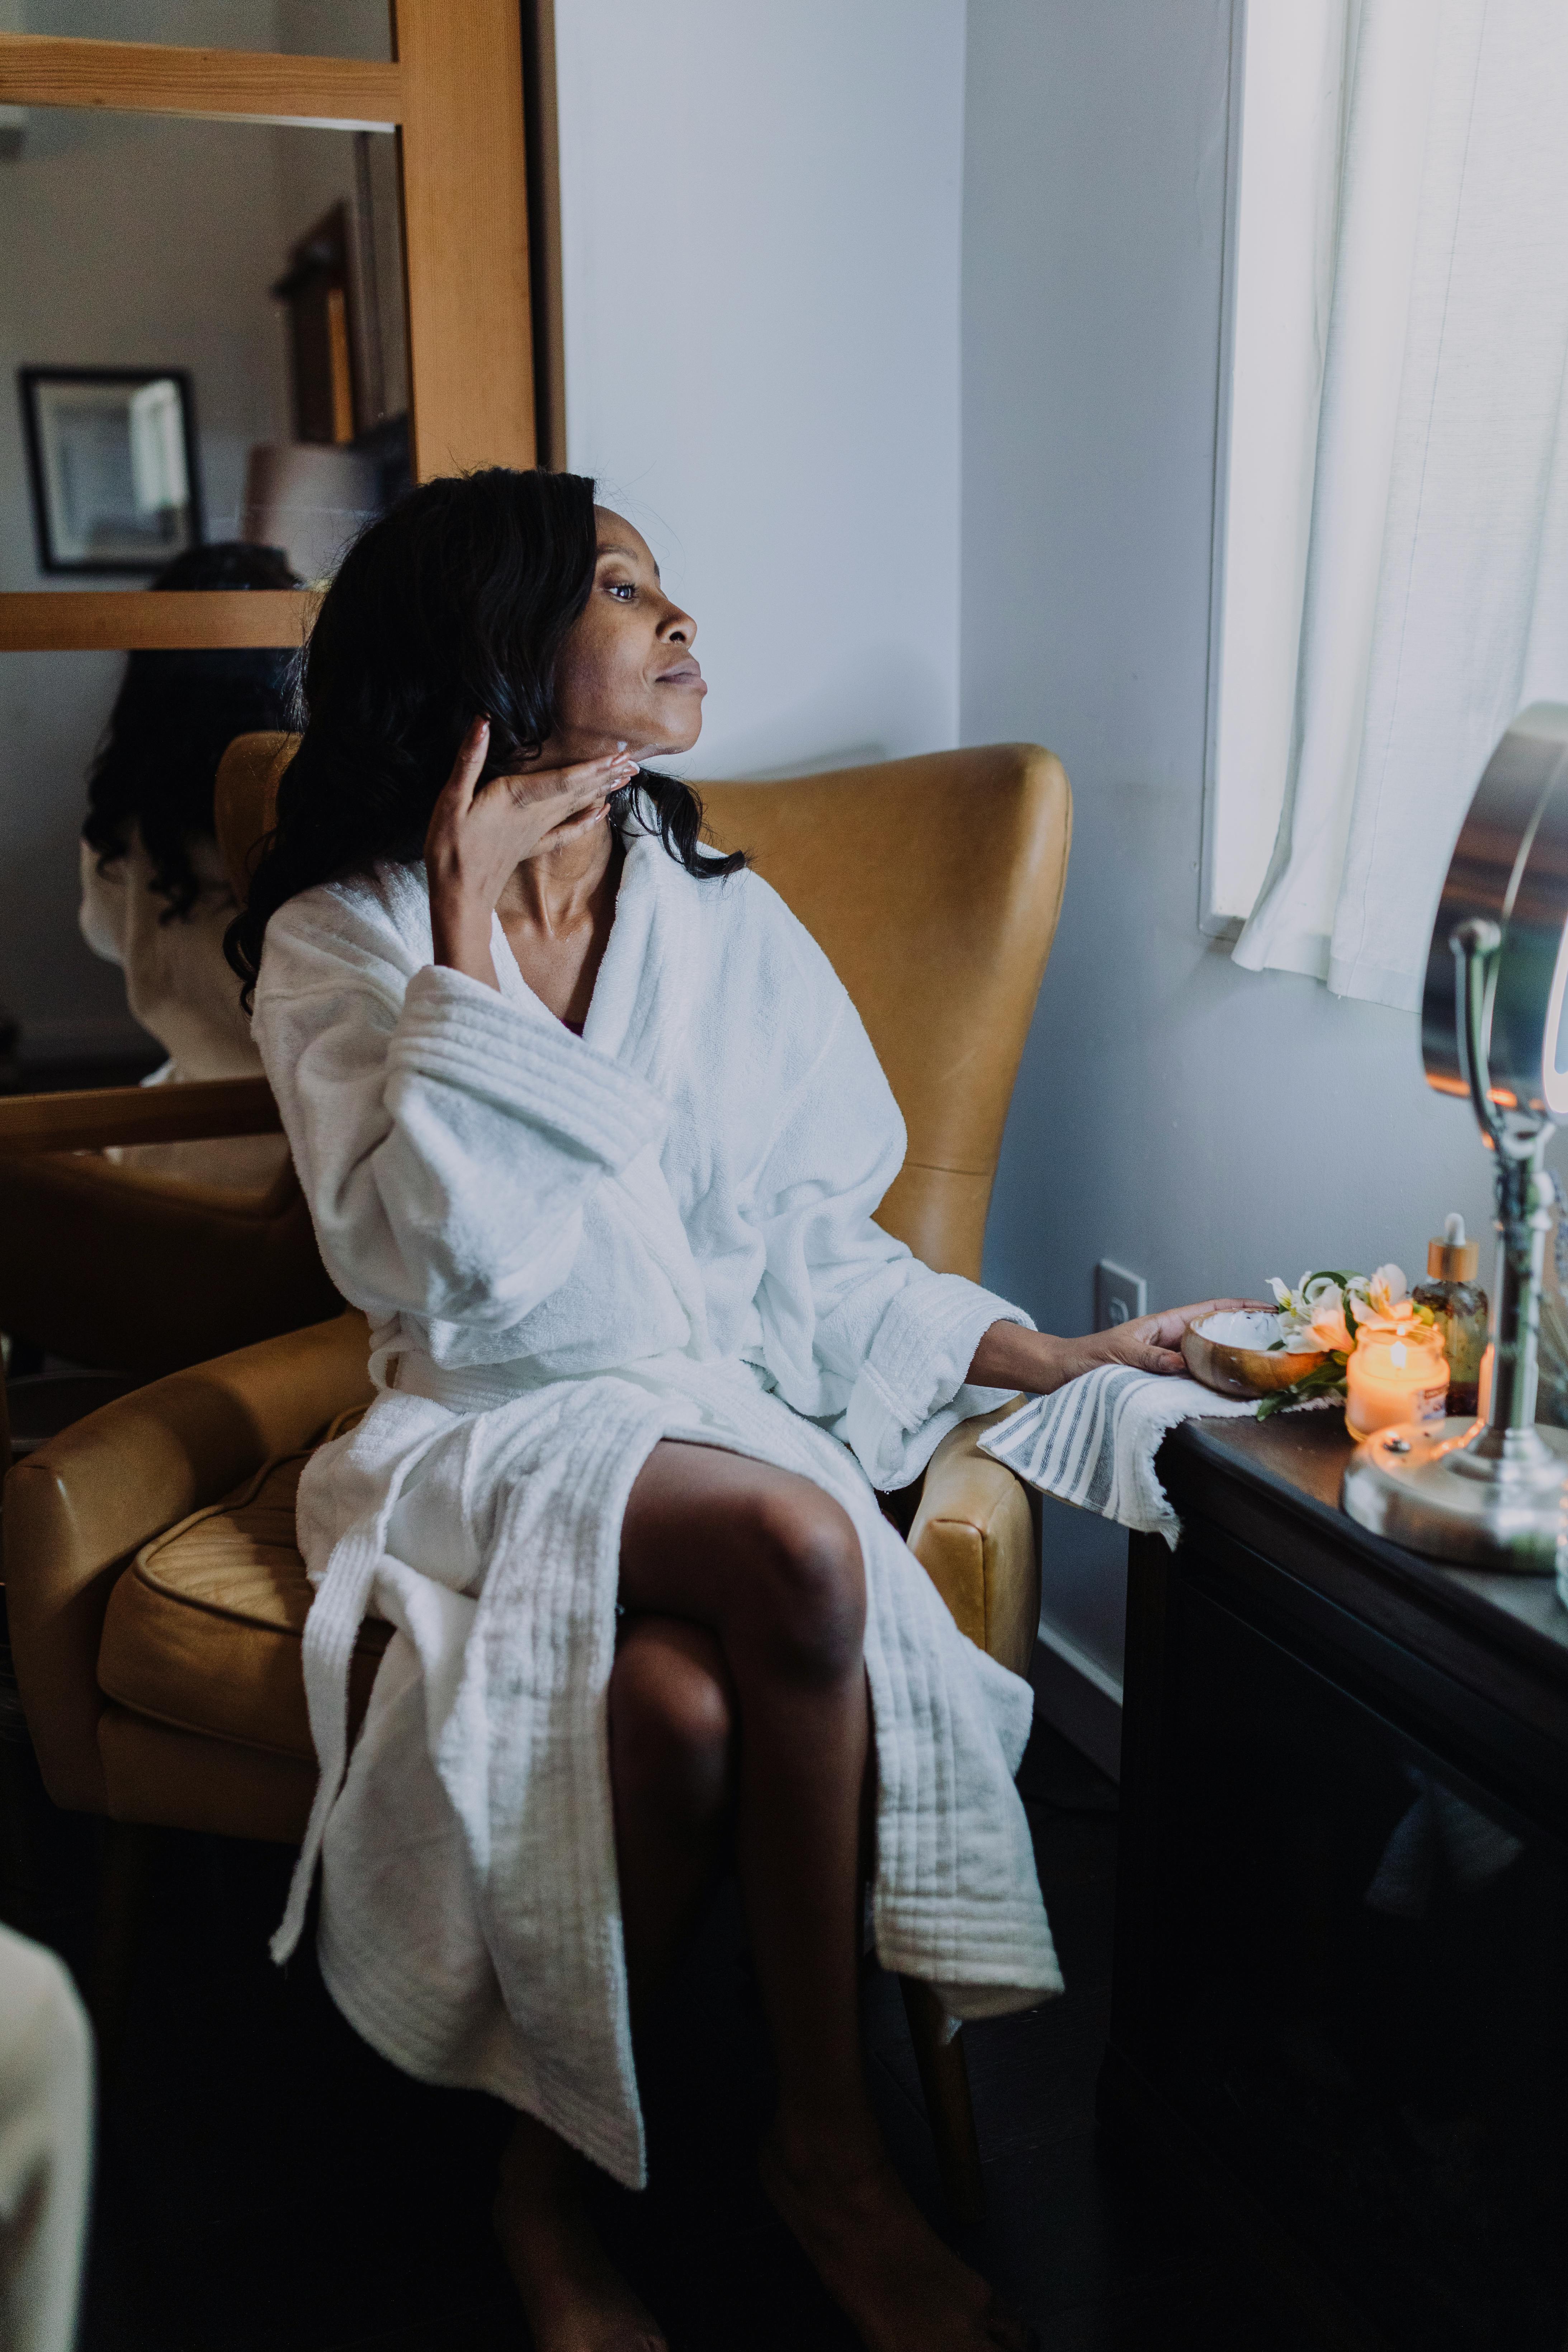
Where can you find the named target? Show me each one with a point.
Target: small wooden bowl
(1239, 1371)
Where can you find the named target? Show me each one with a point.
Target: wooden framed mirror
(450, 94)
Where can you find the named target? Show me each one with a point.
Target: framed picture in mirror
(111, 454)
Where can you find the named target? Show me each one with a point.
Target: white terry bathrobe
(569, 1248)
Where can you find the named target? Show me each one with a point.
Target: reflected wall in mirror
(306, 28)
(146, 242)
(167, 248)
(67, 1004)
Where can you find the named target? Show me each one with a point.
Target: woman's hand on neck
(537, 846)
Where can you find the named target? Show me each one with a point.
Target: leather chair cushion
(181, 1780)
(203, 1631)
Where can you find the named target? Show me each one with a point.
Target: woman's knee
(804, 1592)
(672, 1720)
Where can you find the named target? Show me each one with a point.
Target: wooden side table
(1342, 1980)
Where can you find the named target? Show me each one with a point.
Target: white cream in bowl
(1240, 1327)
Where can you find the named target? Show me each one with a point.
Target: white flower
(1326, 1327)
(1380, 1302)
(1312, 1315)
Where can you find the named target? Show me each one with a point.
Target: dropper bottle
(1459, 1307)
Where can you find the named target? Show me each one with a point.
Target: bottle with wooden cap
(1459, 1306)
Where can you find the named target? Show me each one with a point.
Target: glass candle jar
(1396, 1376)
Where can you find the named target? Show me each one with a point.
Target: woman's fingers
(1185, 1315)
(1154, 1342)
(595, 780)
(1162, 1334)
(470, 759)
(592, 782)
(478, 833)
(588, 776)
(1165, 1330)
(577, 787)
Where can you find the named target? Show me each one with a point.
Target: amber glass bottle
(1459, 1306)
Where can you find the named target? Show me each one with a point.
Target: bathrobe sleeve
(446, 1138)
(856, 1332)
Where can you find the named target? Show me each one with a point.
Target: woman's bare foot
(575, 2299)
(884, 2266)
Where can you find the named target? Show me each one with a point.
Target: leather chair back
(933, 885)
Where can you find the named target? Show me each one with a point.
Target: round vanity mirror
(1510, 868)
(1491, 1492)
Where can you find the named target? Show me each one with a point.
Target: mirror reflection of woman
(591, 1132)
(154, 896)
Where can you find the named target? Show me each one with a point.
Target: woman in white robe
(593, 1134)
(154, 896)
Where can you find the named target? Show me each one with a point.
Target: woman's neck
(555, 890)
(556, 912)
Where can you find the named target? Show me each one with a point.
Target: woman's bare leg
(672, 1758)
(671, 1751)
(771, 1566)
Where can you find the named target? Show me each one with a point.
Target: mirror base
(1422, 1484)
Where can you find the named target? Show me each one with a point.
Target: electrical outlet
(1119, 1297)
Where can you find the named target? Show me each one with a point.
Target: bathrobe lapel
(647, 986)
(644, 1001)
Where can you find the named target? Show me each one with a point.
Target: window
(1392, 551)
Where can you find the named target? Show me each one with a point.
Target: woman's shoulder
(375, 924)
(759, 928)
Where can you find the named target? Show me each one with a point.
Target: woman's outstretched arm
(1009, 1357)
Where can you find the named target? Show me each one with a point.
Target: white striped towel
(1093, 1441)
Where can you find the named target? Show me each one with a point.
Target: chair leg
(19, 1870)
(125, 1884)
(945, 2080)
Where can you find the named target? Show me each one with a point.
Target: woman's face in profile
(626, 673)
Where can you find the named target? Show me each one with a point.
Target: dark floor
(267, 2185)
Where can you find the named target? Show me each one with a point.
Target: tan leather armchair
(156, 1595)
(128, 1269)
(137, 1272)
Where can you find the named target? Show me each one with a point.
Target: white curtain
(1436, 590)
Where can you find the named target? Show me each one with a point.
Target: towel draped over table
(568, 1249)
(1093, 1441)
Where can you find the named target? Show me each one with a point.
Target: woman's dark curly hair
(174, 717)
(458, 601)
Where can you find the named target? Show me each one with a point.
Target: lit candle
(1396, 1376)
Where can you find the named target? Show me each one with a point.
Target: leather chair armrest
(974, 1533)
(80, 1506)
(95, 1117)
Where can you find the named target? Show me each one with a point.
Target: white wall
(762, 279)
(1204, 1126)
(761, 257)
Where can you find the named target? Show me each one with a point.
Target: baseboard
(1079, 1698)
